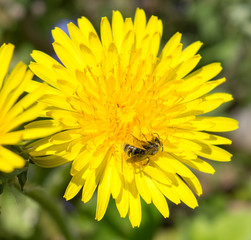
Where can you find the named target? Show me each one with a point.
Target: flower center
(122, 121)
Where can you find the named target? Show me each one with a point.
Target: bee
(145, 151)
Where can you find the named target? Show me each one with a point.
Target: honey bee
(145, 151)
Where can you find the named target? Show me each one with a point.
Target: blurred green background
(225, 206)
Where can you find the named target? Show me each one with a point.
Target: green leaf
(22, 178)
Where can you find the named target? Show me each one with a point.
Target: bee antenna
(157, 134)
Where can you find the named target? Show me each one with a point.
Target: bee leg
(148, 161)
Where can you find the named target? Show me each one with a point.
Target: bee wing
(138, 142)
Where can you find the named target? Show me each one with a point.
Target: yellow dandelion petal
(195, 90)
(130, 121)
(117, 30)
(15, 111)
(158, 198)
(106, 33)
(157, 174)
(11, 138)
(122, 201)
(72, 62)
(86, 27)
(199, 164)
(171, 45)
(6, 52)
(143, 188)
(205, 73)
(96, 46)
(9, 160)
(169, 192)
(205, 137)
(15, 78)
(50, 161)
(92, 180)
(104, 192)
(139, 26)
(116, 186)
(76, 35)
(187, 66)
(135, 205)
(185, 193)
(191, 50)
(179, 168)
(80, 162)
(214, 124)
(194, 183)
(75, 185)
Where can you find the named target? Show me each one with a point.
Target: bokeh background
(224, 211)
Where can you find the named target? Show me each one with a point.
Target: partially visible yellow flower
(14, 113)
(113, 98)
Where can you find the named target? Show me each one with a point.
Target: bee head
(156, 140)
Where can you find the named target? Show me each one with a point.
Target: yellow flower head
(130, 118)
(14, 113)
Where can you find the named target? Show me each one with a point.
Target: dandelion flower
(14, 113)
(130, 119)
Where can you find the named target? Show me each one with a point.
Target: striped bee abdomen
(132, 150)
